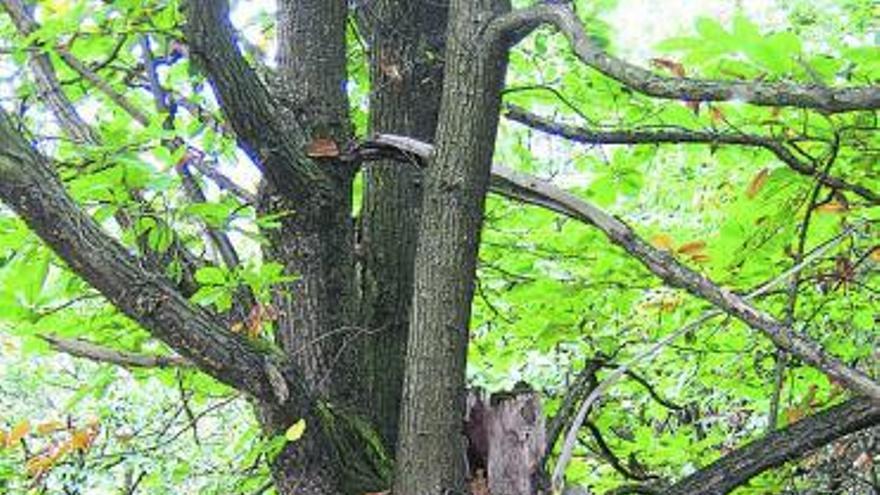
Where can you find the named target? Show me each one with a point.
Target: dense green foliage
(552, 294)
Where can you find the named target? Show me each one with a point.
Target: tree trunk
(317, 326)
(406, 71)
(430, 456)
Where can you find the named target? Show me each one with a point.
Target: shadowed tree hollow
(375, 131)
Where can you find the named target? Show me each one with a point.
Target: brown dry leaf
(694, 106)
(672, 66)
(692, 248)
(322, 148)
(479, 485)
(795, 414)
(757, 183)
(716, 114)
(864, 462)
(38, 465)
(255, 321)
(662, 241)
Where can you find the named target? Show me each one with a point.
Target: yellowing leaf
(57, 7)
(47, 427)
(875, 254)
(81, 440)
(700, 258)
(18, 432)
(296, 430)
(38, 465)
(662, 241)
(832, 206)
(692, 248)
(757, 183)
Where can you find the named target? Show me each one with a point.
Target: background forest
(775, 203)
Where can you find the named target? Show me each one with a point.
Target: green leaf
(211, 275)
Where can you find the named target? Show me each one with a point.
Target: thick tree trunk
(430, 457)
(406, 72)
(317, 326)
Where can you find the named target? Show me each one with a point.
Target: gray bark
(429, 455)
(406, 43)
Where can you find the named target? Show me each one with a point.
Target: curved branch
(679, 136)
(537, 191)
(777, 448)
(530, 189)
(516, 25)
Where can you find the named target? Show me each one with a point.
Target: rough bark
(516, 443)
(559, 15)
(788, 444)
(429, 455)
(316, 328)
(406, 42)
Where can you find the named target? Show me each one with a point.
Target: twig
(683, 136)
(94, 352)
(515, 25)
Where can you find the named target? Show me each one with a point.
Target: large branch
(29, 187)
(777, 448)
(517, 24)
(265, 131)
(680, 136)
(529, 189)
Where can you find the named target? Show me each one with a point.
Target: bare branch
(533, 190)
(777, 448)
(94, 352)
(677, 275)
(679, 136)
(519, 23)
(224, 182)
(102, 85)
(193, 191)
